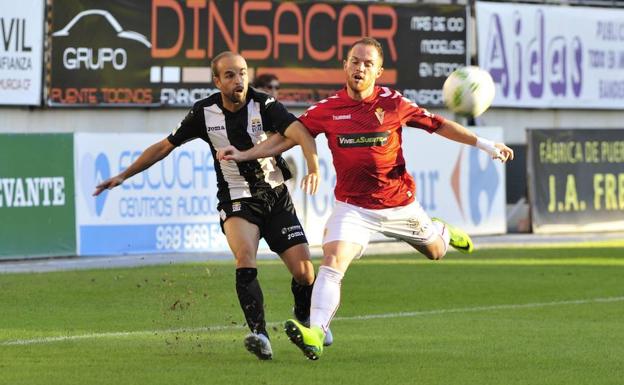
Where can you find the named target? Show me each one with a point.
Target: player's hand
(108, 184)
(229, 153)
(504, 153)
(310, 183)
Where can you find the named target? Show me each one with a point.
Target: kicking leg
(438, 247)
(447, 235)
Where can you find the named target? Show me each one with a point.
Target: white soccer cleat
(329, 338)
(259, 345)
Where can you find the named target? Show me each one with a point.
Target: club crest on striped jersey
(379, 113)
(256, 125)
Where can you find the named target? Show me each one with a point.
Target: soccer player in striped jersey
(253, 200)
(374, 191)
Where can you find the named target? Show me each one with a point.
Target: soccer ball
(468, 91)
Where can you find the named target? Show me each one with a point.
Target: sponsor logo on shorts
(236, 206)
(293, 232)
(286, 230)
(366, 139)
(417, 227)
(295, 235)
(223, 215)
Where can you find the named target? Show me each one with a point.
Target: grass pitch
(500, 316)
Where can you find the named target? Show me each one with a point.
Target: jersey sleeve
(313, 119)
(189, 128)
(278, 115)
(414, 116)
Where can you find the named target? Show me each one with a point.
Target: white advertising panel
(21, 51)
(171, 207)
(319, 206)
(457, 183)
(552, 56)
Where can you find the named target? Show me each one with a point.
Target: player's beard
(359, 86)
(237, 97)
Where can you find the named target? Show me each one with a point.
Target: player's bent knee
(245, 258)
(434, 252)
(330, 260)
(437, 255)
(304, 276)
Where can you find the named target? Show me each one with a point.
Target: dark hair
(216, 59)
(264, 80)
(368, 41)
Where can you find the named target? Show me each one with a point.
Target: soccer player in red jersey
(374, 191)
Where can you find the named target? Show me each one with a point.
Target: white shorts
(355, 224)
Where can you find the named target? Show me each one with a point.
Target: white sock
(444, 233)
(325, 297)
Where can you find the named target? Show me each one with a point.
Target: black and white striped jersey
(218, 127)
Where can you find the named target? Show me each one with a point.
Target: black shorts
(273, 212)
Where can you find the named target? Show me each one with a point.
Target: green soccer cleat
(329, 337)
(459, 239)
(309, 340)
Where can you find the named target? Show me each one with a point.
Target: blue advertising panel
(171, 207)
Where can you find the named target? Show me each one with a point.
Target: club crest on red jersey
(379, 113)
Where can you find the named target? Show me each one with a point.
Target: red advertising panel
(158, 52)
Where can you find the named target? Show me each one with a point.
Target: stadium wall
(44, 98)
(47, 207)
(514, 121)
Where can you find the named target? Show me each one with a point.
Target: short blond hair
(368, 41)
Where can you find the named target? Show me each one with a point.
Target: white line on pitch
(45, 340)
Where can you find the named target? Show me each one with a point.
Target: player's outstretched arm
(151, 155)
(274, 145)
(455, 131)
(295, 133)
(298, 133)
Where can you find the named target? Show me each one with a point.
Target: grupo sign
(576, 180)
(21, 51)
(551, 56)
(158, 52)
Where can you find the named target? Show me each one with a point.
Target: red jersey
(364, 138)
